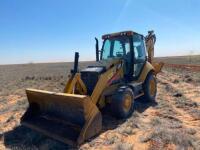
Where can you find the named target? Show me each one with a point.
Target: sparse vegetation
(173, 122)
(167, 136)
(169, 132)
(124, 146)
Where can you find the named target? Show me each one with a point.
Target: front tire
(150, 88)
(122, 102)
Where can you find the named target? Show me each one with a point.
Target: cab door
(139, 52)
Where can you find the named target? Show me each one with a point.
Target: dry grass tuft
(178, 94)
(123, 146)
(195, 113)
(183, 103)
(176, 81)
(112, 139)
(170, 136)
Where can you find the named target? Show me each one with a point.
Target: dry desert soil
(172, 122)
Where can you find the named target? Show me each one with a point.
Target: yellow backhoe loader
(122, 73)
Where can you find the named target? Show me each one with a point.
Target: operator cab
(128, 46)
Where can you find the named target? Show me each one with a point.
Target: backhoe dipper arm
(150, 40)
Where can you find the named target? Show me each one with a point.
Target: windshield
(115, 48)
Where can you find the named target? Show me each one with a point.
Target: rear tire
(150, 88)
(122, 102)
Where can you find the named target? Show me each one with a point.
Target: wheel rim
(127, 103)
(152, 87)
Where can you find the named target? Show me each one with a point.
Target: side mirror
(97, 49)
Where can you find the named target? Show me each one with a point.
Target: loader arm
(75, 81)
(105, 79)
(112, 74)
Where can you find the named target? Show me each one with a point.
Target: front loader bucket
(69, 118)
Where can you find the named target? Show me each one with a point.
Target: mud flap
(68, 118)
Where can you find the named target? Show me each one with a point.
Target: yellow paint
(102, 83)
(147, 68)
(127, 102)
(75, 82)
(158, 66)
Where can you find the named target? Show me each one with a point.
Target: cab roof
(122, 33)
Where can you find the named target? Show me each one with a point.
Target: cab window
(117, 47)
(139, 48)
(139, 54)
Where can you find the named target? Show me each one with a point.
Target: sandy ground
(172, 122)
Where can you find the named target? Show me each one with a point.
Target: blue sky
(52, 30)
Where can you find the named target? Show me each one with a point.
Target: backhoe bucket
(158, 66)
(69, 118)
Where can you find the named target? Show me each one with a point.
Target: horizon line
(49, 62)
